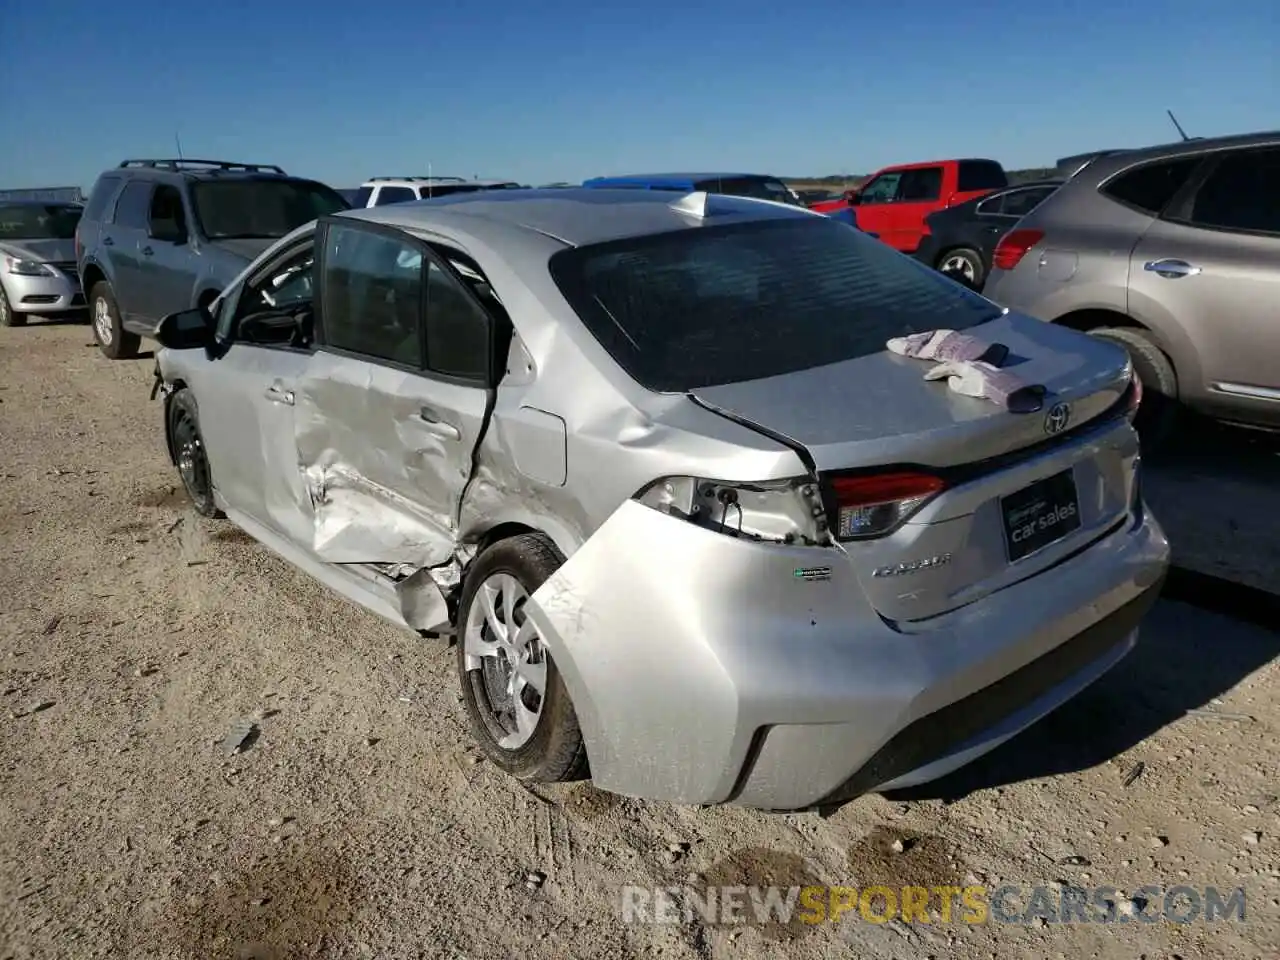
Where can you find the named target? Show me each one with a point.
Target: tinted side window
(166, 209)
(981, 175)
(1150, 188)
(373, 295)
(1242, 193)
(991, 206)
(134, 205)
(457, 329)
(395, 195)
(1021, 202)
(104, 191)
(921, 185)
(362, 197)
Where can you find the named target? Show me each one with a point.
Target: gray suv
(158, 236)
(1173, 252)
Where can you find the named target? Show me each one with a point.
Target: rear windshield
(981, 175)
(714, 305)
(235, 209)
(38, 221)
(759, 188)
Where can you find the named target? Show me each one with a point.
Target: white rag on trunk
(976, 379)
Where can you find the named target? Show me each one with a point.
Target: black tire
(117, 343)
(1158, 415)
(973, 261)
(189, 453)
(8, 316)
(555, 751)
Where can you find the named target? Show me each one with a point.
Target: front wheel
(189, 453)
(517, 702)
(113, 339)
(8, 316)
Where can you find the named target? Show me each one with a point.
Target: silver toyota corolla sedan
(648, 459)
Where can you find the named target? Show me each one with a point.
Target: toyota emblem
(1056, 420)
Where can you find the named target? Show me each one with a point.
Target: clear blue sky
(565, 89)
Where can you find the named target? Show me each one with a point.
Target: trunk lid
(1019, 496)
(878, 410)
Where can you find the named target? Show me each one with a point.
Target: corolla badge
(912, 566)
(1056, 420)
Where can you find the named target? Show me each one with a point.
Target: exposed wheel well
(1086, 320)
(503, 531)
(92, 275)
(207, 298)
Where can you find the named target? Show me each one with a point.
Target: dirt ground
(358, 823)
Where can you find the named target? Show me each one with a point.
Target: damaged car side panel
(386, 454)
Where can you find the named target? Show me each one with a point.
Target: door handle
(1170, 269)
(277, 394)
(108, 242)
(438, 426)
(147, 251)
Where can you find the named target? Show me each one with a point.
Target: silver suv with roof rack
(381, 191)
(159, 235)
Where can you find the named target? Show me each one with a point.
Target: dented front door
(386, 455)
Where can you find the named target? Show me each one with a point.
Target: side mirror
(167, 231)
(185, 330)
(852, 197)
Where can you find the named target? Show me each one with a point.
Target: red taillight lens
(872, 506)
(1133, 396)
(1013, 246)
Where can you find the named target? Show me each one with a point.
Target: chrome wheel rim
(957, 263)
(4, 308)
(102, 320)
(505, 660)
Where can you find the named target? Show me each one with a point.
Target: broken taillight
(1013, 246)
(777, 511)
(876, 504)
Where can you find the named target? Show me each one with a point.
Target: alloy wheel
(959, 264)
(102, 325)
(504, 646)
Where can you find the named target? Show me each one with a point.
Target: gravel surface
(139, 643)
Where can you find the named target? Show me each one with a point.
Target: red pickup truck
(892, 203)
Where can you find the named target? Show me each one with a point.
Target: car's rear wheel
(1157, 416)
(963, 264)
(189, 453)
(113, 339)
(8, 316)
(517, 702)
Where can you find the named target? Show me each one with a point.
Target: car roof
(575, 216)
(1109, 163)
(673, 180)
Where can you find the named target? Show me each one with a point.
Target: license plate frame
(1025, 515)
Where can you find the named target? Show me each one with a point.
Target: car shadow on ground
(1185, 658)
(1202, 638)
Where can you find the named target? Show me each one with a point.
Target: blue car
(758, 185)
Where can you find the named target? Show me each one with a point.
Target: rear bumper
(706, 670)
(41, 295)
